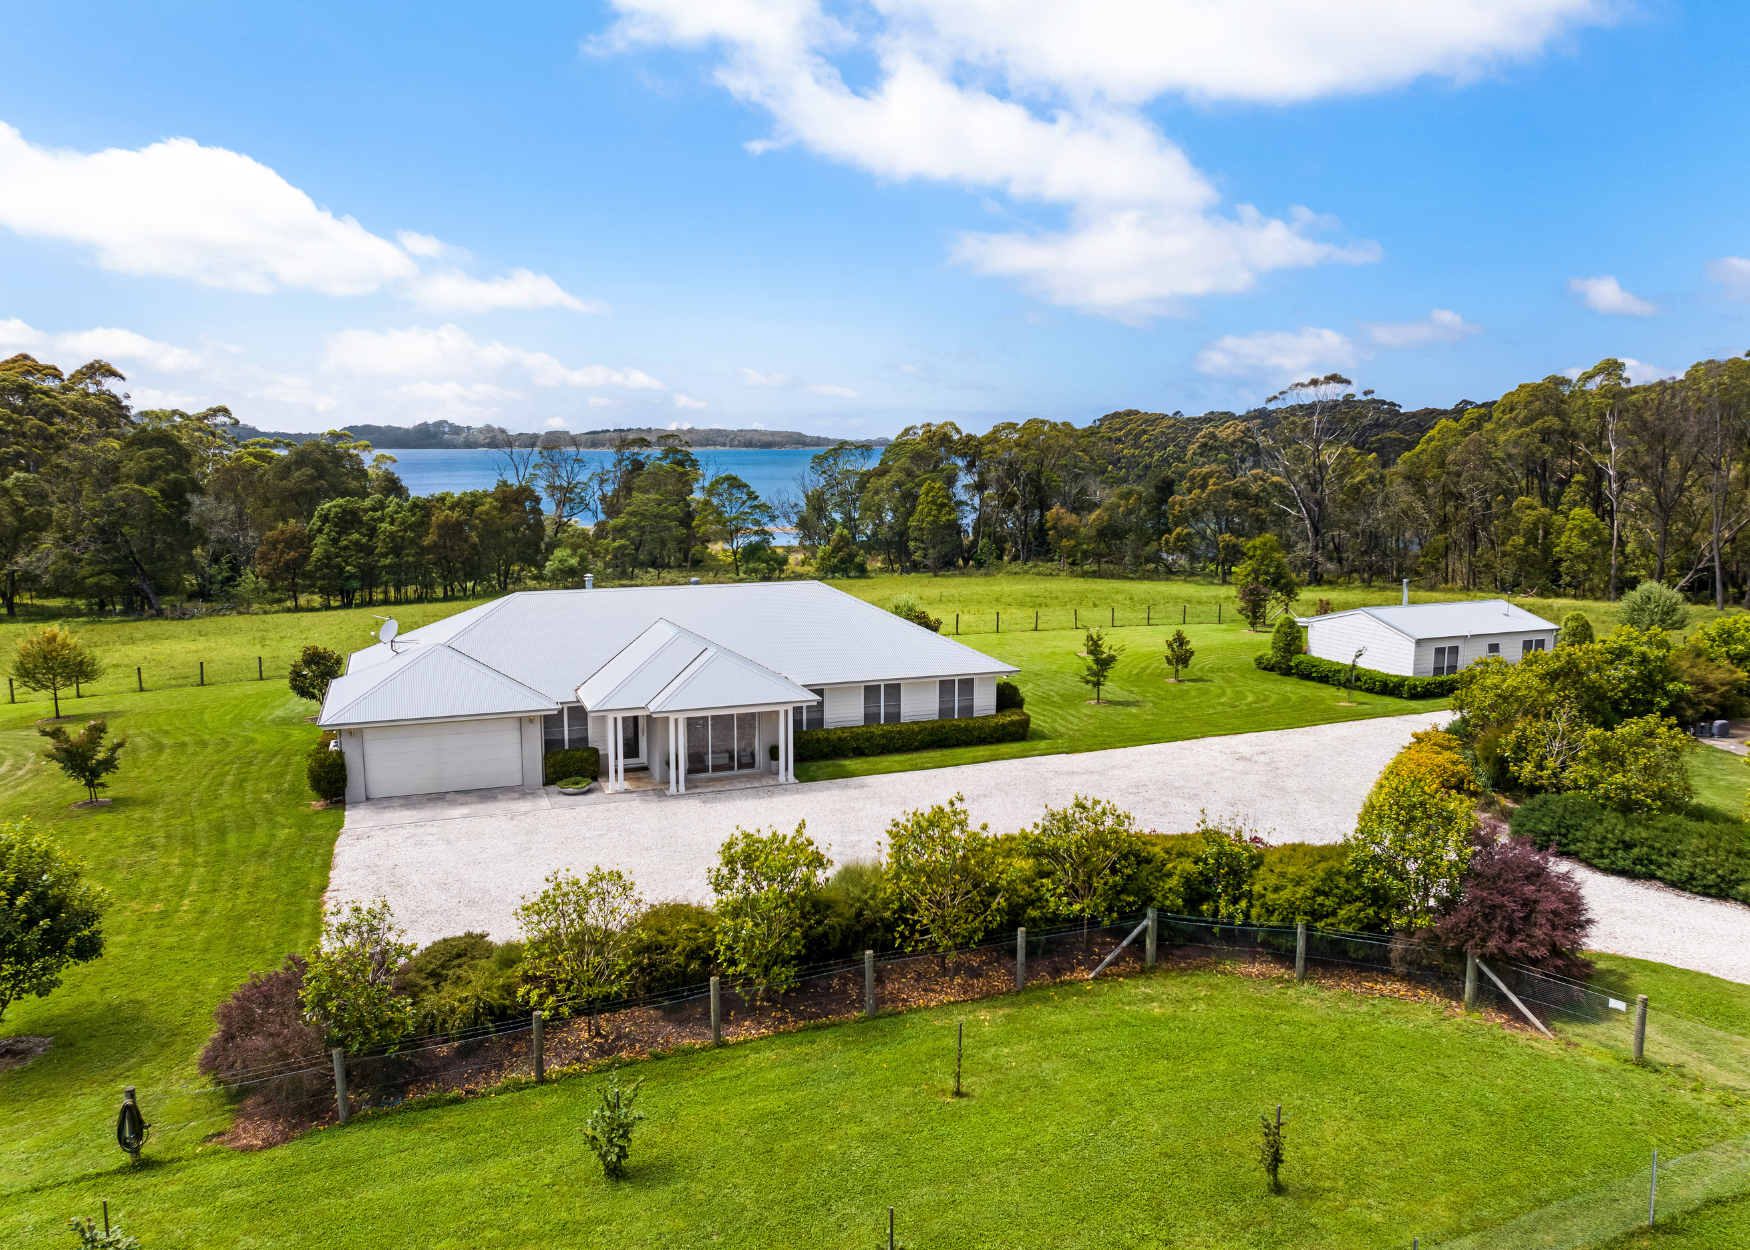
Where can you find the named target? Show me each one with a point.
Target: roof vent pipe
(1406, 592)
(589, 581)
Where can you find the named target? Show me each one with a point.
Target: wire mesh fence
(1044, 620)
(263, 1106)
(143, 678)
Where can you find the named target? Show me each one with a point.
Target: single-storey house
(676, 680)
(1428, 639)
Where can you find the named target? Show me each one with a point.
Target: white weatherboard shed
(1428, 639)
(677, 680)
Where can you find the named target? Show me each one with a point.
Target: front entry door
(632, 739)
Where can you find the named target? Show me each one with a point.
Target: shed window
(1528, 645)
(810, 715)
(1445, 661)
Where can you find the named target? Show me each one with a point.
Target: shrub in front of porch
(326, 771)
(576, 762)
(917, 735)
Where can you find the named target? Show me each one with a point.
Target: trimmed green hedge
(577, 762)
(1009, 697)
(1702, 856)
(1370, 680)
(916, 735)
(326, 772)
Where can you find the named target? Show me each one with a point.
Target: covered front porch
(683, 710)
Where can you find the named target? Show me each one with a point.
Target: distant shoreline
(445, 436)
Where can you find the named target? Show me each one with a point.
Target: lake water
(428, 470)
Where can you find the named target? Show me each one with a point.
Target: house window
(810, 715)
(1445, 661)
(881, 704)
(1528, 645)
(566, 728)
(725, 743)
(965, 697)
(945, 699)
(1494, 648)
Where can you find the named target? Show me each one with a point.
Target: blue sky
(845, 218)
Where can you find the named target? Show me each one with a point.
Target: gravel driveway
(1291, 785)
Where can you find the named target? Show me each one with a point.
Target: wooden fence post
(1148, 947)
(1021, 959)
(259, 675)
(957, 622)
(203, 672)
(140, 681)
(1035, 620)
(1300, 951)
(340, 1084)
(11, 694)
(540, 1056)
(1184, 611)
(1640, 1026)
(1470, 982)
(716, 1013)
(1114, 624)
(868, 983)
(999, 622)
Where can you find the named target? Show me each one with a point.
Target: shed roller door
(456, 755)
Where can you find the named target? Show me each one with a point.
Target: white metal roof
(551, 642)
(670, 669)
(426, 683)
(1463, 618)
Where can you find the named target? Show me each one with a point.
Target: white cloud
(680, 425)
(422, 244)
(1636, 371)
(1606, 295)
(683, 401)
(1277, 352)
(452, 291)
(1441, 325)
(180, 210)
(74, 348)
(556, 423)
(146, 398)
(1145, 230)
(449, 351)
(754, 378)
(1731, 272)
(842, 392)
(598, 401)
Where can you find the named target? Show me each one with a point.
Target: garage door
(456, 755)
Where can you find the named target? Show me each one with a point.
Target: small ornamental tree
(1079, 850)
(1653, 605)
(1102, 657)
(50, 916)
(941, 878)
(609, 1127)
(1254, 600)
(261, 1026)
(1517, 906)
(766, 885)
(1413, 843)
(312, 671)
(1179, 653)
(349, 982)
(1576, 629)
(52, 659)
(1286, 641)
(84, 758)
(577, 940)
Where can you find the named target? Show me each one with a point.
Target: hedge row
(1369, 680)
(1702, 856)
(577, 762)
(916, 735)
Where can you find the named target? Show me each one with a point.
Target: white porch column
(613, 737)
(682, 731)
(786, 753)
(673, 759)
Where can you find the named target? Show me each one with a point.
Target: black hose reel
(130, 1126)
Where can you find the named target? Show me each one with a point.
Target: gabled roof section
(668, 669)
(425, 682)
(1463, 618)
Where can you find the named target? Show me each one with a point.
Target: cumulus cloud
(75, 347)
(1043, 102)
(841, 392)
(450, 352)
(755, 378)
(1731, 272)
(451, 290)
(1605, 295)
(1277, 352)
(417, 244)
(686, 401)
(1441, 325)
(556, 423)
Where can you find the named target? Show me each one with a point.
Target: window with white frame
(954, 698)
(810, 715)
(881, 704)
(1528, 645)
(1445, 661)
(1494, 648)
(565, 729)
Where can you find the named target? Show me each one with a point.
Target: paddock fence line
(269, 1104)
(145, 678)
(1017, 620)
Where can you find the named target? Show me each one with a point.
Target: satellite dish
(387, 631)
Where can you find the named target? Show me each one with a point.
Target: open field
(1406, 1122)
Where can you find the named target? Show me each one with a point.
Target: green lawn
(1723, 1225)
(1122, 1113)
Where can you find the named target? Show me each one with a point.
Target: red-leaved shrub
(1516, 905)
(263, 1034)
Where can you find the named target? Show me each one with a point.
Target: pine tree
(1102, 657)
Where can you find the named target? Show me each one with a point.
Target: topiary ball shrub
(1576, 629)
(261, 1027)
(326, 771)
(1009, 697)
